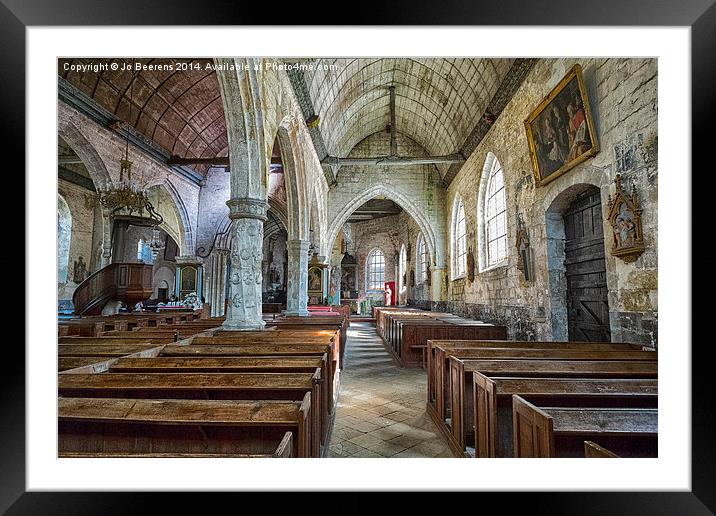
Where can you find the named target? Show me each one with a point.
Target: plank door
(587, 305)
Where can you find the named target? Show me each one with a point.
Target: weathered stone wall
(101, 149)
(212, 210)
(416, 188)
(623, 98)
(380, 234)
(85, 238)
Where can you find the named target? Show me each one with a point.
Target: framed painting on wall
(560, 131)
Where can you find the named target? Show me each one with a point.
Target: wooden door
(587, 304)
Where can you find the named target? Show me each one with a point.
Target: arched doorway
(577, 266)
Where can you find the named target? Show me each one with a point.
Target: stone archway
(435, 249)
(562, 292)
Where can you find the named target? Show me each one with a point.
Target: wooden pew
(101, 350)
(594, 451)
(96, 426)
(110, 340)
(411, 334)
(259, 350)
(439, 351)
(284, 450)
(461, 381)
(491, 408)
(232, 386)
(279, 337)
(66, 363)
(561, 431)
(299, 364)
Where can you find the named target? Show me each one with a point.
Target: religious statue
(524, 263)
(470, 265)
(80, 270)
(625, 220)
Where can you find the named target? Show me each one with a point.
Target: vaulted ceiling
(438, 101)
(180, 111)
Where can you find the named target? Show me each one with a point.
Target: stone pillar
(438, 290)
(297, 288)
(244, 307)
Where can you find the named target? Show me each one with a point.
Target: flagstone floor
(381, 407)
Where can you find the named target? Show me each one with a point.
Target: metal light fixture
(127, 195)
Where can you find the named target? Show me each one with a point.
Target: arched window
(458, 240)
(402, 268)
(64, 235)
(492, 219)
(375, 270)
(421, 260)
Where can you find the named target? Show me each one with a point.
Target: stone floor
(381, 407)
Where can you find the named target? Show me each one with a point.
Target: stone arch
(556, 204)
(294, 180)
(86, 152)
(64, 238)
(98, 172)
(186, 234)
(420, 219)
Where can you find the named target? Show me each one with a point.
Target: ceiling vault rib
(393, 140)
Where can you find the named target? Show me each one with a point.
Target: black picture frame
(17, 15)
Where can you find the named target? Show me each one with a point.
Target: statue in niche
(470, 265)
(524, 263)
(625, 220)
(79, 272)
(412, 277)
(428, 275)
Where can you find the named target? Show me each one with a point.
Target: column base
(241, 327)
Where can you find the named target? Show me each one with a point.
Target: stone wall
(85, 237)
(417, 189)
(101, 149)
(623, 98)
(380, 234)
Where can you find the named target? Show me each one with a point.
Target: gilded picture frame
(560, 130)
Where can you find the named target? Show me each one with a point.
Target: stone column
(297, 288)
(438, 291)
(244, 307)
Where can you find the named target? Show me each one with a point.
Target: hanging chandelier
(126, 196)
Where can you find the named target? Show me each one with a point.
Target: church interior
(357, 257)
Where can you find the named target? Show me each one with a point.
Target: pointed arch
(185, 237)
(492, 248)
(458, 239)
(64, 238)
(434, 250)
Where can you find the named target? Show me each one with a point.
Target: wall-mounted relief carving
(524, 251)
(625, 220)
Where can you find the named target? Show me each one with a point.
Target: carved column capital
(247, 208)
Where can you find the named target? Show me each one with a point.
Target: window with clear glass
(375, 273)
(495, 217)
(422, 259)
(402, 267)
(459, 240)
